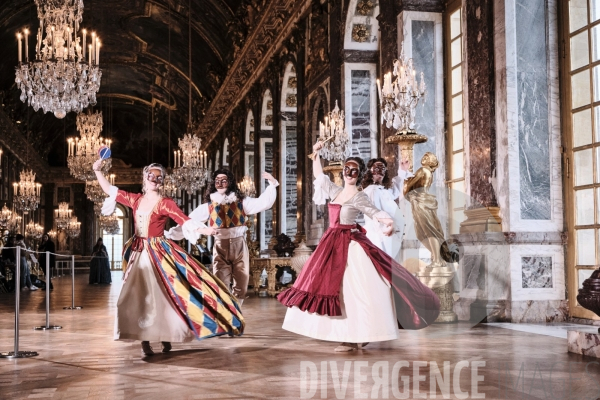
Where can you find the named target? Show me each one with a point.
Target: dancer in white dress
(383, 193)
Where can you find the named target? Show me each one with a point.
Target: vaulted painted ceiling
(144, 86)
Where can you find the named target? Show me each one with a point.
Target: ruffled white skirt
(368, 313)
(144, 311)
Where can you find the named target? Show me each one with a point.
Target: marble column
(301, 127)
(388, 52)
(256, 100)
(480, 115)
(274, 78)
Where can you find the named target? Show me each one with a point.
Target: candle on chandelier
(90, 55)
(387, 84)
(38, 189)
(68, 41)
(19, 49)
(16, 188)
(205, 160)
(93, 49)
(84, 33)
(26, 45)
(51, 39)
(38, 42)
(98, 44)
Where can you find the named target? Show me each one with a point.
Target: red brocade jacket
(317, 289)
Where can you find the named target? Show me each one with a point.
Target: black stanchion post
(48, 326)
(73, 306)
(16, 353)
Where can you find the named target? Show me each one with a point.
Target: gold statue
(424, 208)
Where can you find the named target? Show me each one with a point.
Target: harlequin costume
(346, 290)
(228, 215)
(167, 295)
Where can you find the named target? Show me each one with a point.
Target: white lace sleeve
(263, 202)
(199, 215)
(324, 189)
(189, 228)
(110, 203)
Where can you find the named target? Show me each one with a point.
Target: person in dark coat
(99, 266)
(47, 245)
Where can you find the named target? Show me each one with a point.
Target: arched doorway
(114, 243)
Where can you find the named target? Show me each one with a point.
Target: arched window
(226, 153)
(288, 151)
(114, 243)
(250, 128)
(266, 116)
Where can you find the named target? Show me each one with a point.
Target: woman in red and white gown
(346, 290)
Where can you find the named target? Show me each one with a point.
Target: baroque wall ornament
(269, 120)
(291, 100)
(365, 7)
(361, 32)
(292, 82)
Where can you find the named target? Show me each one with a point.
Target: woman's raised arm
(104, 183)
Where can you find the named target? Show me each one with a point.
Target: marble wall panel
(533, 111)
(536, 272)
(518, 116)
(291, 189)
(360, 89)
(531, 269)
(423, 55)
(539, 311)
(473, 271)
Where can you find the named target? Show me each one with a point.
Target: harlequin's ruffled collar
(219, 198)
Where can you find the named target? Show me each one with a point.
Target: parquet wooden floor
(81, 361)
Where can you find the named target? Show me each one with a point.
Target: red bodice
(165, 209)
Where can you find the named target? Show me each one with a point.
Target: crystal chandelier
(60, 79)
(169, 187)
(247, 186)
(5, 217)
(34, 231)
(190, 174)
(83, 152)
(399, 99)
(94, 192)
(333, 134)
(15, 223)
(110, 223)
(98, 208)
(73, 228)
(27, 192)
(62, 216)
(52, 234)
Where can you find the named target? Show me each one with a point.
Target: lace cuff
(110, 203)
(189, 230)
(175, 233)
